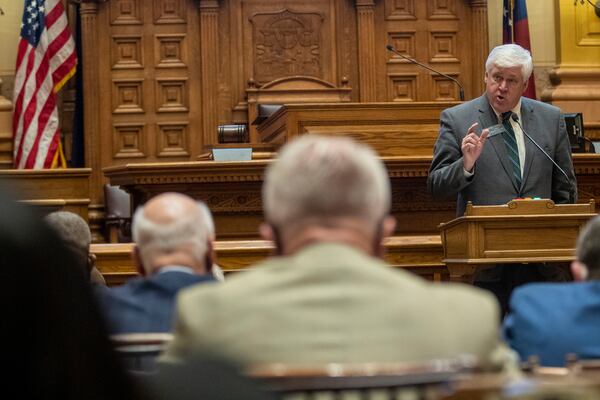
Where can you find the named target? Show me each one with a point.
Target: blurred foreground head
(57, 344)
(75, 234)
(587, 263)
(325, 188)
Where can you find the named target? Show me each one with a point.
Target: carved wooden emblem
(286, 43)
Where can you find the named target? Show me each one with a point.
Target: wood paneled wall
(161, 75)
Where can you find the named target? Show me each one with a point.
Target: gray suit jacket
(493, 182)
(332, 303)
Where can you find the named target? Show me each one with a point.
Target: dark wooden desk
(232, 190)
(391, 129)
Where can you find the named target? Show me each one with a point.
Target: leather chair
(118, 214)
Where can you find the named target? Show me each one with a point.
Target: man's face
(504, 87)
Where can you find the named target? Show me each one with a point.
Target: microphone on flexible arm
(515, 118)
(462, 91)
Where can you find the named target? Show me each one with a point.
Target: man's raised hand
(472, 146)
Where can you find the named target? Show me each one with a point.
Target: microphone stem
(571, 198)
(461, 90)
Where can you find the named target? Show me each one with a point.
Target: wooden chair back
(138, 351)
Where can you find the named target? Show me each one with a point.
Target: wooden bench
(419, 254)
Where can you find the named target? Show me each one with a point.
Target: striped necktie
(511, 147)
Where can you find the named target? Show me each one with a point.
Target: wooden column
(480, 46)
(209, 52)
(91, 124)
(366, 49)
(576, 78)
(6, 157)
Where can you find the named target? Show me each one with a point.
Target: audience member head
(75, 234)
(507, 71)
(56, 342)
(327, 189)
(173, 229)
(587, 255)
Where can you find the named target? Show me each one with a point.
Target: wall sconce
(595, 5)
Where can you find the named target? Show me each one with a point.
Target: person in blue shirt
(174, 238)
(551, 320)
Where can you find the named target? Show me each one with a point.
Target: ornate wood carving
(286, 43)
(232, 190)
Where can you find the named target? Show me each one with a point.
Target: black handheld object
(462, 90)
(515, 118)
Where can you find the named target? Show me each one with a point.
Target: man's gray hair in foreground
(319, 177)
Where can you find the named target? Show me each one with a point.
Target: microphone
(515, 118)
(393, 50)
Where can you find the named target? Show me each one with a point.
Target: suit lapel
(527, 118)
(487, 118)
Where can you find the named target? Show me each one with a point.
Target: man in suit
(551, 320)
(328, 296)
(174, 238)
(75, 234)
(483, 155)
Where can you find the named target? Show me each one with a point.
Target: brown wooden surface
(232, 190)
(523, 231)
(419, 254)
(392, 129)
(50, 190)
(161, 75)
(295, 89)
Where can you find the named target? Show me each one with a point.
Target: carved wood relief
(286, 43)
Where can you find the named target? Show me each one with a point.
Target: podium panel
(522, 231)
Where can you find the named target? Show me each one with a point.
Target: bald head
(169, 207)
(173, 229)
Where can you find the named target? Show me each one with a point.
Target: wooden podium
(522, 231)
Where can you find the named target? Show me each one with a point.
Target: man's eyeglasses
(511, 82)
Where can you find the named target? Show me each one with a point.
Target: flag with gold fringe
(46, 59)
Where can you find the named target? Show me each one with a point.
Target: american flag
(46, 59)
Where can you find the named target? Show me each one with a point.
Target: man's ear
(137, 261)
(579, 271)
(526, 84)
(266, 231)
(211, 256)
(389, 226)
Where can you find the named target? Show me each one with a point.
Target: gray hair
(508, 56)
(325, 176)
(588, 247)
(72, 229)
(192, 230)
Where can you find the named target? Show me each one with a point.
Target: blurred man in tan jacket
(328, 296)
